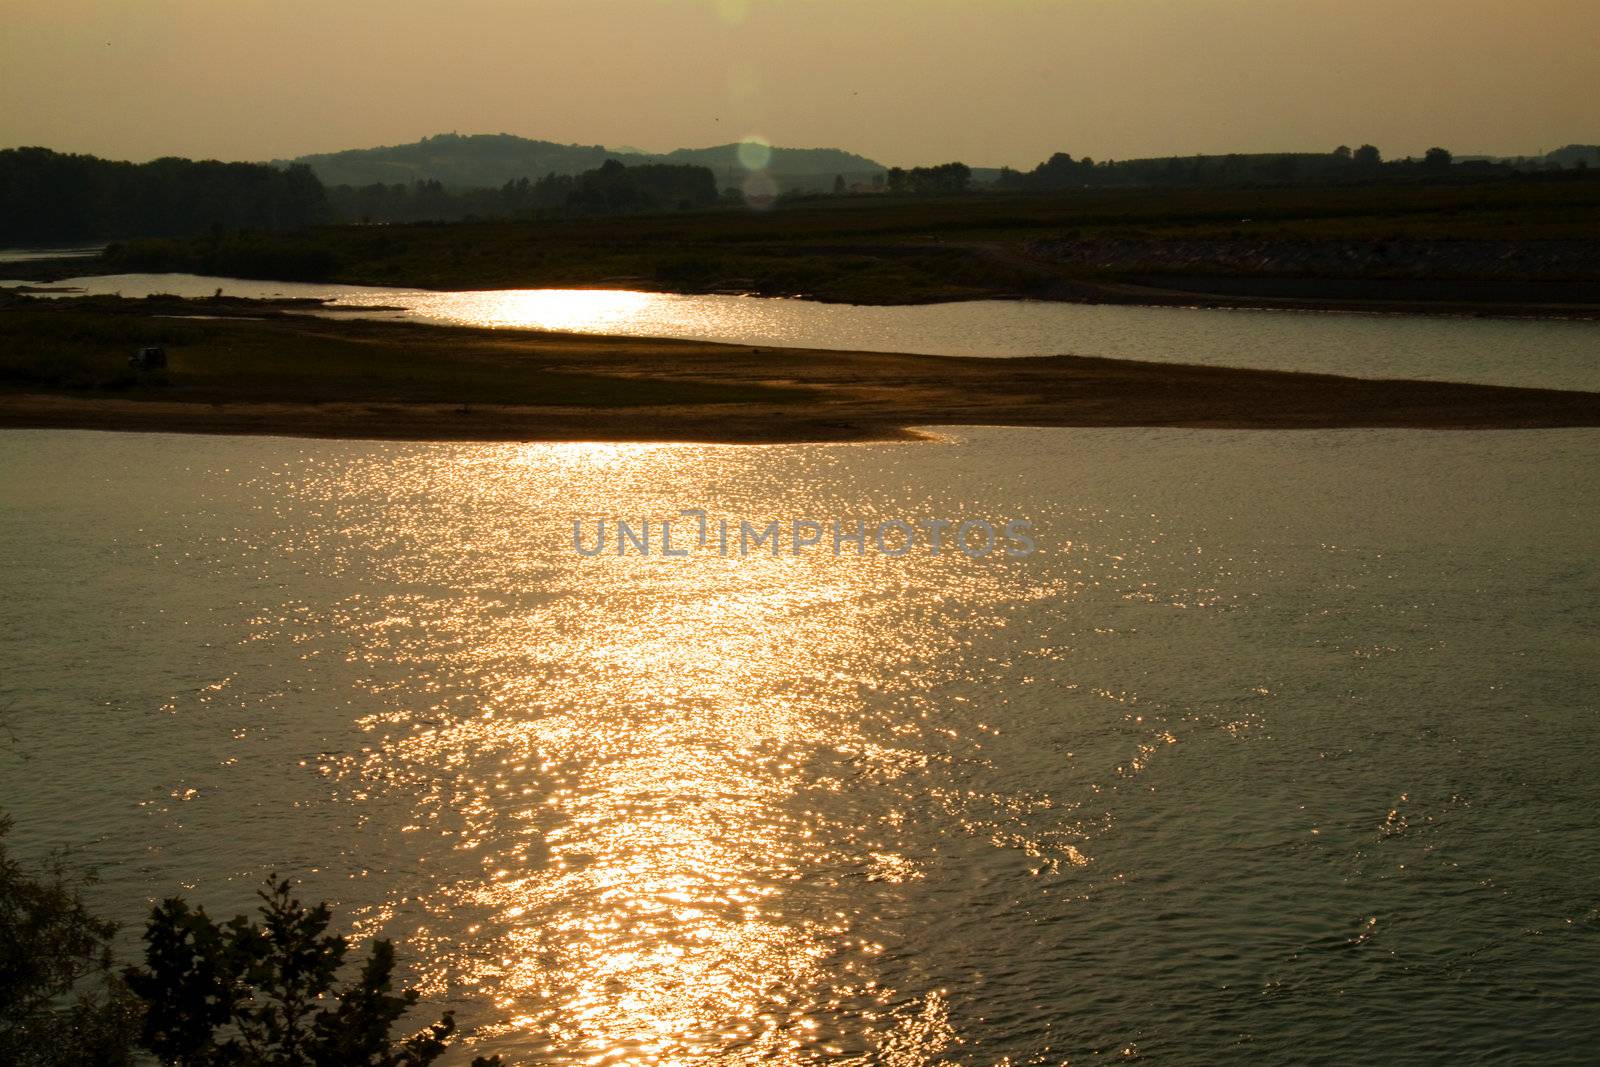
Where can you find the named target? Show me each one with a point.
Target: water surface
(1282, 749)
(29, 255)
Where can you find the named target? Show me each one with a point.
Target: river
(1280, 748)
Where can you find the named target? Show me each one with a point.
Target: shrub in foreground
(61, 1000)
(262, 994)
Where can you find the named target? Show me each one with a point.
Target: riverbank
(258, 367)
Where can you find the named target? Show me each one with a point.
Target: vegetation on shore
(1062, 245)
(62, 999)
(240, 993)
(48, 197)
(1071, 229)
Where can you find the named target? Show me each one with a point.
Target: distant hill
(1574, 154)
(1566, 158)
(487, 159)
(794, 168)
(493, 159)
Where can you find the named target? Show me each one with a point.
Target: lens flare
(755, 152)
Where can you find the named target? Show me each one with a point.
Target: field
(1513, 241)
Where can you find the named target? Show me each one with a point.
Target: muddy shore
(276, 372)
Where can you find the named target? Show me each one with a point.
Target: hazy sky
(903, 81)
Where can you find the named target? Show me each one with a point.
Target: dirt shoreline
(358, 379)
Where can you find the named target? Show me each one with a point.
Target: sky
(908, 82)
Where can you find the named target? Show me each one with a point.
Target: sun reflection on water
(635, 765)
(1226, 742)
(575, 310)
(647, 810)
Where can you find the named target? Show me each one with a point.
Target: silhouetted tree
(944, 179)
(61, 1000)
(1437, 159)
(611, 188)
(1061, 171)
(1367, 156)
(838, 185)
(262, 994)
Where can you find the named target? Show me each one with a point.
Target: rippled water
(1555, 354)
(29, 255)
(1283, 748)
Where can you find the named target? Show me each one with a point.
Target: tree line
(48, 196)
(1344, 163)
(609, 189)
(943, 180)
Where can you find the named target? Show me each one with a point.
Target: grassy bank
(1519, 235)
(263, 368)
